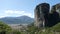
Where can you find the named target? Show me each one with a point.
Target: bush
(4, 28)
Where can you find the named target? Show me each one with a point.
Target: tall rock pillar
(41, 12)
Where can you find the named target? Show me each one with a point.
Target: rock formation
(41, 14)
(53, 17)
(45, 19)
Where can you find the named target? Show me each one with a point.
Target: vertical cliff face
(41, 13)
(58, 9)
(37, 16)
(54, 15)
(45, 19)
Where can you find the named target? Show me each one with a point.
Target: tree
(4, 28)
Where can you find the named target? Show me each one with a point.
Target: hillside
(49, 30)
(17, 20)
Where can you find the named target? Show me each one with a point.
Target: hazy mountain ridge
(17, 20)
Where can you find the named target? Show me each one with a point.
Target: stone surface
(41, 14)
(43, 17)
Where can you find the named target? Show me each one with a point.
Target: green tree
(16, 32)
(4, 28)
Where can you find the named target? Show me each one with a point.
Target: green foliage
(4, 28)
(49, 30)
(56, 27)
(16, 32)
(32, 29)
(52, 30)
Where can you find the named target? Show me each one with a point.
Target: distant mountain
(17, 20)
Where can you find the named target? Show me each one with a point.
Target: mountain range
(17, 20)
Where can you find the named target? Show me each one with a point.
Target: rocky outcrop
(41, 14)
(45, 19)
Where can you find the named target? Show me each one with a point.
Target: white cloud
(16, 13)
(28, 14)
(13, 12)
(2, 16)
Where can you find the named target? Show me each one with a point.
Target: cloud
(28, 14)
(15, 13)
(2, 16)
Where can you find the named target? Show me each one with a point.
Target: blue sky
(15, 8)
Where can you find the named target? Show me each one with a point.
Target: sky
(16, 8)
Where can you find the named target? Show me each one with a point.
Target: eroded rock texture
(58, 9)
(53, 17)
(45, 19)
(41, 14)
